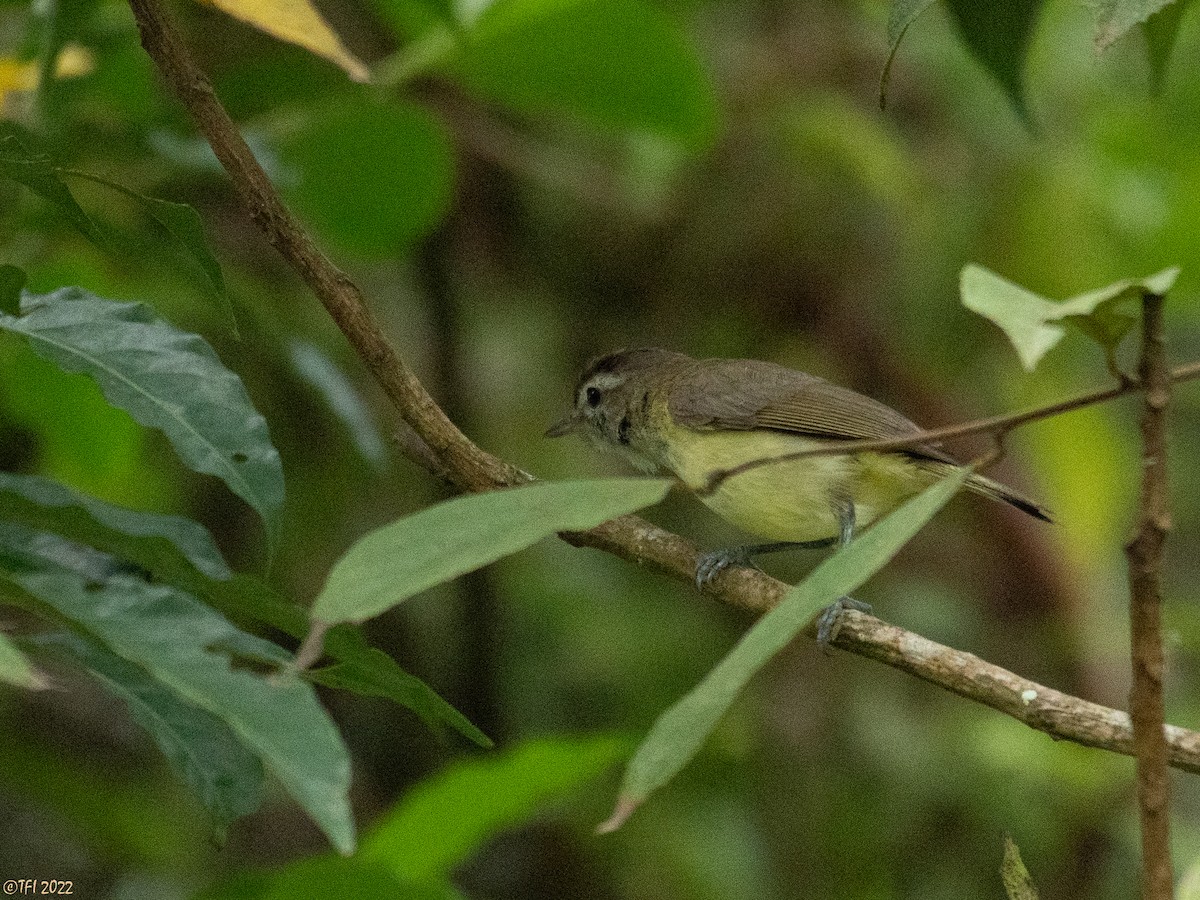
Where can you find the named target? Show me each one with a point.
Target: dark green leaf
(1115, 17)
(58, 21)
(446, 818)
(12, 280)
(23, 163)
(373, 673)
(1161, 29)
(205, 752)
(900, 16)
(680, 731)
(1017, 883)
(170, 547)
(189, 648)
(998, 35)
(437, 544)
(351, 185)
(15, 668)
(327, 878)
(622, 64)
(166, 379)
(1032, 323)
(183, 226)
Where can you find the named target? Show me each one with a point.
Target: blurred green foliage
(542, 181)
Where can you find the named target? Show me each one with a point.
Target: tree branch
(453, 456)
(1145, 553)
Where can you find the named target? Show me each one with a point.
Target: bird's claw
(830, 622)
(710, 565)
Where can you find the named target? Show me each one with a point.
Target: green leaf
(351, 187)
(15, 668)
(619, 64)
(183, 225)
(190, 648)
(901, 15)
(206, 753)
(170, 547)
(58, 22)
(343, 398)
(327, 877)
(1160, 30)
(1031, 322)
(442, 821)
(12, 280)
(372, 673)
(23, 163)
(680, 731)
(1115, 17)
(437, 544)
(166, 379)
(1017, 883)
(998, 36)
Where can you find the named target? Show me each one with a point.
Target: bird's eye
(593, 396)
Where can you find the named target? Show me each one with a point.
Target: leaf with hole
(191, 649)
(205, 752)
(166, 379)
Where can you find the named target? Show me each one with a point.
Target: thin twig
(1145, 553)
(629, 537)
(998, 425)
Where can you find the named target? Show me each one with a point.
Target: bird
(698, 419)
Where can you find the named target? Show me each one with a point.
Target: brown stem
(469, 466)
(1145, 553)
(444, 450)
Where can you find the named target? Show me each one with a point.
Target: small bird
(696, 418)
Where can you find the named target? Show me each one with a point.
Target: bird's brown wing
(748, 394)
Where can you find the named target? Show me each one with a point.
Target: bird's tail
(994, 490)
(997, 491)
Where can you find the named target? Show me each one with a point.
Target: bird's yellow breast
(797, 500)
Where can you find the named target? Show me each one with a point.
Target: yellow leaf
(297, 22)
(23, 75)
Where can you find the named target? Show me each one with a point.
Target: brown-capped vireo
(666, 412)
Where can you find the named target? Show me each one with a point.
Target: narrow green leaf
(15, 668)
(185, 228)
(1160, 30)
(373, 673)
(680, 731)
(58, 22)
(189, 648)
(1034, 324)
(206, 753)
(446, 818)
(12, 280)
(166, 379)
(1017, 883)
(998, 36)
(21, 162)
(623, 64)
(343, 398)
(170, 547)
(395, 562)
(1114, 18)
(900, 16)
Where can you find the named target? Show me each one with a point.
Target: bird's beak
(571, 422)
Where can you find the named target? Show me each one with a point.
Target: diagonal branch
(453, 456)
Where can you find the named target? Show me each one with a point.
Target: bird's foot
(831, 620)
(712, 564)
